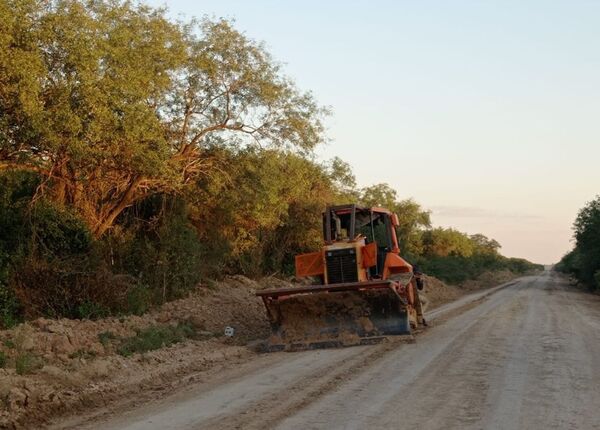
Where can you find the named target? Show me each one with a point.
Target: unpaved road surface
(526, 356)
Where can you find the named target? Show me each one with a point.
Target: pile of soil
(489, 279)
(74, 363)
(436, 293)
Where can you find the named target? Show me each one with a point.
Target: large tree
(110, 101)
(587, 246)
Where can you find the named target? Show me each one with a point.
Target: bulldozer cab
(352, 222)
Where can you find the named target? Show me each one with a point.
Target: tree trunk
(129, 197)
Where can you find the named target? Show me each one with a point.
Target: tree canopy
(584, 260)
(111, 102)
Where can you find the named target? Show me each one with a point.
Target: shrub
(10, 308)
(583, 261)
(155, 337)
(57, 232)
(73, 288)
(106, 337)
(160, 248)
(83, 354)
(91, 310)
(457, 269)
(26, 363)
(3, 360)
(139, 299)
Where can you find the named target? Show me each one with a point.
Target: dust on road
(524, 356)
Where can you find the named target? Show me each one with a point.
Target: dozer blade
(334, 315)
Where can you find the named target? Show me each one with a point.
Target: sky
(486, 113)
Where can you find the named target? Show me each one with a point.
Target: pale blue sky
(487, 113)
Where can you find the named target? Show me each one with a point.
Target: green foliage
(106, 337)
(456, 257)
(83, 354)
(344, 181)
(263, 210)
(91, 310)
(159, 247)
(110, 101)
(57, 232)
(41, 231)
(10, 308)
(456, 269)
(16, 189)
(444, 242)
(139, 299)
(155, 337)
(49, 245)
(584, 261)
(484, 245)
(26, 363)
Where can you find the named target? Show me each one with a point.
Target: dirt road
(526, 356)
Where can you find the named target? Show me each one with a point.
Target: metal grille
(341, 266)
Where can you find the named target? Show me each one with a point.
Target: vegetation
(155, 337)
(3, 360)
(139, 156)
(111, 103)
(26, 363)
(584, 260)
(106, 337)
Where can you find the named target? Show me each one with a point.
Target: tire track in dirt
(275, 407)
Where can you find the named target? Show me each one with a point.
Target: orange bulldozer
(365, 290)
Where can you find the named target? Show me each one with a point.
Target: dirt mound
(53, 366)
(489, 279)
(437, 292)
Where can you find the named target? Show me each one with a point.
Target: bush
(38, 242)
(154, 338)
(10, 308)
(139, 300)
(106, 337)
(583, 261)
(3, 360)
(73, 288)
(91, 310)
(26, 363)
(16, 190)
(159, 247)
(50, 265)
(458, 269)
